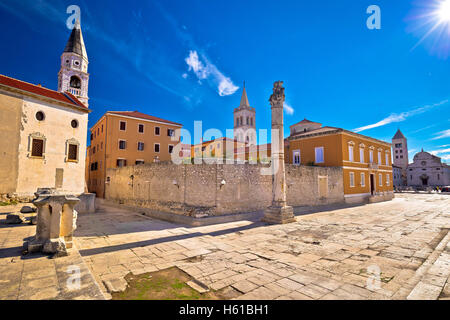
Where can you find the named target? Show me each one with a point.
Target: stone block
(28, 209)
(15, 218)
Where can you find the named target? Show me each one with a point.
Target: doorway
(372, 184)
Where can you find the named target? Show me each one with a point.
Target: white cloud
(442, 134)
(400, 117)
(205, 70)
(288, 109)
(441, 151)
(184, 75)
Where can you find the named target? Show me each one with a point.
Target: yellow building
(216, 149)
(366, 162)
(127, 138)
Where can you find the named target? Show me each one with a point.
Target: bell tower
(73, 75)
(244, 121)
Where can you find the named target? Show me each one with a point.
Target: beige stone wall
(10, 116)
(196, 190)
(57, 130)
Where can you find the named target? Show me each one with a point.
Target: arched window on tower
(75, 85)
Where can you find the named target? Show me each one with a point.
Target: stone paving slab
(388, 250)
(324, 255)
(35, 276)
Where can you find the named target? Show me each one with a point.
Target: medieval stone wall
(212, 190)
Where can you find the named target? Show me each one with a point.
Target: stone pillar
(56, 222)
(278, 212)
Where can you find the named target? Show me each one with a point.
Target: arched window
(75, 82)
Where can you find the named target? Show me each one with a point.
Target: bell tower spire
(73, 75)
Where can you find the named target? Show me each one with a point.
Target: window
(319, 155)
(248, 121)
(98, 131)
(37, 149)
(122, 144)
(388, 179)
(102, 128)
(398, 145)
(237, 122)
(40, 116)
(251, 121)
(72, 154)
(123, 125)
(379, 157)
(380, 177)
(218, 146)
(387, 158)
(74, 124)
(350, 153)
(93, 150)
(140, 146)
(141, 128)
(121, 163)
(75, 82)
(92, 137)
(170, 132)
(363, 179)
(371, 156)
(156, 147)
(157, 130)
(361, 155)
(101, 145)
(170, 148)
(296, 157)
(352, 179)
(138, 162)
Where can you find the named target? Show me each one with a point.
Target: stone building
(244, 121)
(366, 162)
(400, 154)
(428, 170)
(127, 138)
(43, 136)
(398, 176)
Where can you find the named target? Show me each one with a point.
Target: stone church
(428, 170)
(45, 131)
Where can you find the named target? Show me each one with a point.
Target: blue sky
(187, 60)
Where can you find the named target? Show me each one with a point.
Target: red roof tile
(41, 91)
(140, 115)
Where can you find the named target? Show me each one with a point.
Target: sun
(444, 11)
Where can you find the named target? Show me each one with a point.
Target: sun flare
(444, 11)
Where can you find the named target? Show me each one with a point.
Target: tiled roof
(65, 97)
(140, 115)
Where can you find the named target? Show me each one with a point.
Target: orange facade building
(366, 162)
(126, 138)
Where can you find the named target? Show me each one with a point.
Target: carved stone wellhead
(56, 222)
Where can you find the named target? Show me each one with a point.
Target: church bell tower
(244, 121)
(73, 75)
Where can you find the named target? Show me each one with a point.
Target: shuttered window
(37, 149)
(73, 152)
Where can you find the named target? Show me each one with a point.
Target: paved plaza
(391, 250)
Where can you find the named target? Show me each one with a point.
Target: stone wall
(212, 190)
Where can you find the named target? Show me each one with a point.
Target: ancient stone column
(278, 212)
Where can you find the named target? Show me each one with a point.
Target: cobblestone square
(391, 250)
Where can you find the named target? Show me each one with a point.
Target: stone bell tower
(244, 121)
(73, 75)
